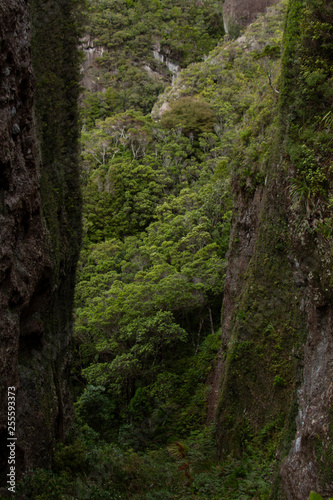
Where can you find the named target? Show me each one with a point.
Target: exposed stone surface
(245, 228)
(35, 321)
(172, 66)
(24, 267)
(277, 315)
(88, 69)
(308, 465)
(243, 12)
(271, 235)
(91, 74)
(248, 42)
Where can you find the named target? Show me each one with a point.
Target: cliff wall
(40, 222)
(238, 14)
(276, 374)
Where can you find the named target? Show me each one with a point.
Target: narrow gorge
(166, 293)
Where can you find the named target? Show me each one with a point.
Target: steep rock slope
(40, 223)
(237, 13)
(25, 264)
(276, 379)
(306, 104)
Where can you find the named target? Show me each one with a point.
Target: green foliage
(265, 335)
(240, 84)
(315, 496)
(70, 458)
(157, 220)
(234, 28)
(192, 470)
(150, 282)
(43, 485)
(141, 298)
(306, 96)
(193, 116)
(279, 381)
(132, 74)
(131, 166)
(97, 409)
(272, 51)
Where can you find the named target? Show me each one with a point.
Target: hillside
(271, 166)
(133, 49)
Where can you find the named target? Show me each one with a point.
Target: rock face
(172, 66)
(308, 465)
(37, 264)
(277, 319)
(239, 13)
(298, 306)
(91, 53)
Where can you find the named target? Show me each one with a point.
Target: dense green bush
(192, 116)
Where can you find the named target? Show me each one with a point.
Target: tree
(193, 116)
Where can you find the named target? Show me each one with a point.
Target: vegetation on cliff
(242, 133)
(55, 35)
(268, 321)
(144, 42)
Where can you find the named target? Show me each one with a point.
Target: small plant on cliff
(179, 451)
(316, 496)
